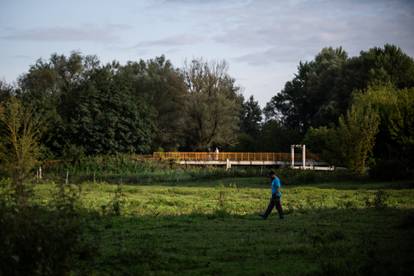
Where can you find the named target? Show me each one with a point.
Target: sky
(262, 41)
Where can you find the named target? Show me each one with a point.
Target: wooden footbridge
(306, 160)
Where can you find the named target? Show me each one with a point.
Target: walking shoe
(262, 216)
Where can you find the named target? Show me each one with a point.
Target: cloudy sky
(263, 41)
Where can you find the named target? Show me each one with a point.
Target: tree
(310, 98)
(6, 91)
(46, 87)
(163, 89)
(19, 144)
(385, 65)
(356, 136)
(105, 116)
(251, 117)
(109, 108)
(213, 105)
(323, 141)
(322, 89)
(250, 126)
(274, 136)
(351, 143)
(395, 140)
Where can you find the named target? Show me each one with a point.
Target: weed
(347, 204)
(114, 207)
(42, 239)
(135, 169)
(380, 199)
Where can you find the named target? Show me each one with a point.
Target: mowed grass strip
(212, 227)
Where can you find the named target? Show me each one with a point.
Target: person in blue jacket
(275, 200)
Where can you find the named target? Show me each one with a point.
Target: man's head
(272, 174)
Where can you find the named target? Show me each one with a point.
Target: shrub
(19, 146)
(114, 207)
(390, 170)
(295, 177)
(40, 240)
(380, 199)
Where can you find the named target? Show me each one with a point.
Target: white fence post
(228, 164)
(304, 156)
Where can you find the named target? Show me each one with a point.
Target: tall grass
(123, 168)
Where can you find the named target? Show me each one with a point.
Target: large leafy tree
(106, 108)
(250, 125)
(105, 116)
(381, 114)
(251, 117)
(396, 109)
(322, 89)
(310, 99)
(351, 143)
(213, 105)
(274, 136)
(383, 65)
(47, 85)
(355, 136)
(162, 87)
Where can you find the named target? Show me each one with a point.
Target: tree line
(354, 111)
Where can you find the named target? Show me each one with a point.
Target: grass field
(212, 227)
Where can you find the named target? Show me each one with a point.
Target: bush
(40, 240)
(390, 170)
(299, 177)
(114, 207)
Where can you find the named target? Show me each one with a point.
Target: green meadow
(212, 227)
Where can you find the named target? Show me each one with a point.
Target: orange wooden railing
(233, 156)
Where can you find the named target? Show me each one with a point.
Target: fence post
(303, 156)
(228, 164)
(292, 155)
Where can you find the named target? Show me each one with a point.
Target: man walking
(276, 196)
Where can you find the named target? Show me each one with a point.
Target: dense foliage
(90, 108)
(19, 145)
(137, 107)
(41, 238)
(213, 105)
(322, 89)
(352, 110)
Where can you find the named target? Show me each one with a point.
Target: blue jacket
(275, 185)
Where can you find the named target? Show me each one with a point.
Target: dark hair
(272, 173)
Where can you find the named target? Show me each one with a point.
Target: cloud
(175, 40)
(295, 30)
(274, 55)
(22, 56)
(87, 33)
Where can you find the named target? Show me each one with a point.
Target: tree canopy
(322, 89)
(355, 111)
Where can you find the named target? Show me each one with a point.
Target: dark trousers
(274, 201)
